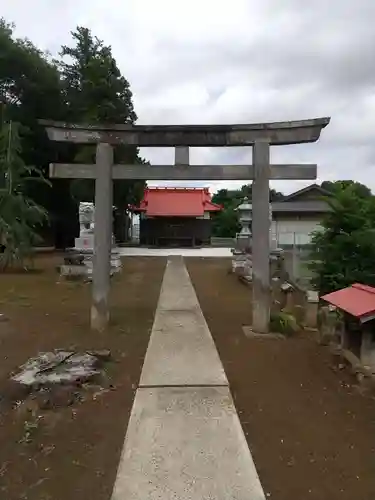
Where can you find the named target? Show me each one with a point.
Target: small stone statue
(86, 217)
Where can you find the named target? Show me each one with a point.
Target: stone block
(367, 354)
(326, 321)
(74, 272)
(73, 259)
(312, 305)
(85, 242)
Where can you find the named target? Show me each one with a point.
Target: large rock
(58, 367)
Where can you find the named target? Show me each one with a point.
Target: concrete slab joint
(181, 351)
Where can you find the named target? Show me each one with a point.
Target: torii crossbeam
(259, 136)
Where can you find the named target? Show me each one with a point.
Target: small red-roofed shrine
(357, 302)
(175, 216)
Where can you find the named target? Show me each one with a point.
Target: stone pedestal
(289, 301)
(242, 253)
(243, 243)
(367, 352)
(238, 261)
(311, 315)
(84, 245)
(242, 264)
(327, 323)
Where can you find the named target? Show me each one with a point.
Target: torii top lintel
(275, 133)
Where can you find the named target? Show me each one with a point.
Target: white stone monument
(84, 244)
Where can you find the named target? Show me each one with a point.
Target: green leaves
(343, 252)
(20, 216)
(225, 223)
(95, 91)
(84, 85)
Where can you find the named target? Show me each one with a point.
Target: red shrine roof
(176, 202)
(357, 300)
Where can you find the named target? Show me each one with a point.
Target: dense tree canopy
(30, 88)
(336, 187)
(96, 92)
(94, 89)
(344, 250)
(20, 216)
(85, 85)
(225, 223)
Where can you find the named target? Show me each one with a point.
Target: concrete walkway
(184, 439)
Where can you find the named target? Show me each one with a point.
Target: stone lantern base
(242, 263)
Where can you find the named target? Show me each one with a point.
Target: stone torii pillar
(102, 237)
(260, 136)
(261, 237)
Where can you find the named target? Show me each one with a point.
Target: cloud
(210, 61)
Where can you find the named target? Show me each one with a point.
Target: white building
(297, 215)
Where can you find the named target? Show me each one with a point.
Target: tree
(247, 191)
(224, 197)
(344, 250)
(335, 187)
(95, 91)
(30, 89)
(226, 223)
(29, 83)
(20, 216)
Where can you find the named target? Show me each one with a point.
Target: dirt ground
(71, 452)
(312, 435)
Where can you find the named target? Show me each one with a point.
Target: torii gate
(260, 136)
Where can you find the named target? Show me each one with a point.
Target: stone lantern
(244, 237)
(273, 239)
(242, 253)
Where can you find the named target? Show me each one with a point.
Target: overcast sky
(238, 61)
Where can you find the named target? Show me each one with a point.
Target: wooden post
(261, 238)
(102, 238)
